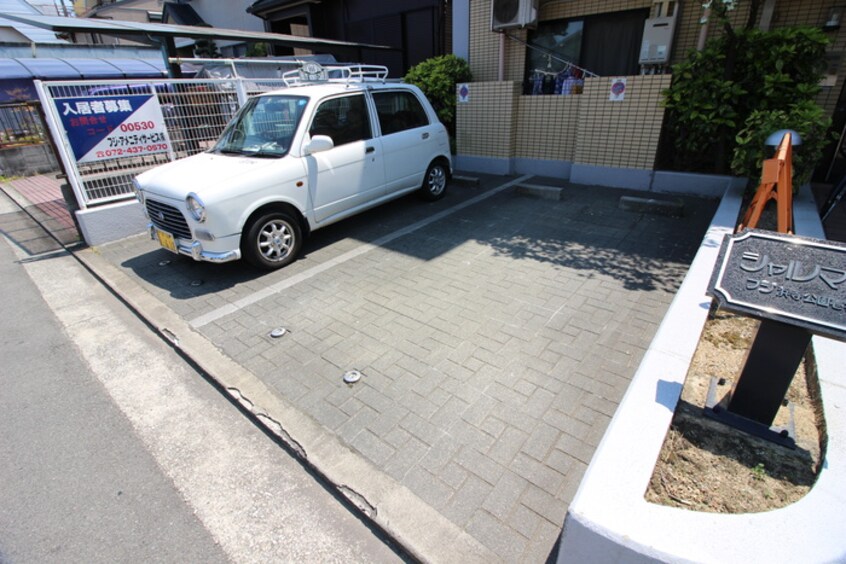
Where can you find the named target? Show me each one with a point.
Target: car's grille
(168, 218)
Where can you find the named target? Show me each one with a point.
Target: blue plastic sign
(110, 127)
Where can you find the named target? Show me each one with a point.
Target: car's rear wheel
(272, 241)
(435, 182)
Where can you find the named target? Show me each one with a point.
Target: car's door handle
(425, 136)
(369, 149)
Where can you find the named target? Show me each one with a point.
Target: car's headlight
(139, 194)
(196, 206)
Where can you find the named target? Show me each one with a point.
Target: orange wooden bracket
(776, 184)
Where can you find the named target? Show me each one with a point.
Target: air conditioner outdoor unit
(510, 14)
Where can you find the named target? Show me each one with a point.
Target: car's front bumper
(195, 249)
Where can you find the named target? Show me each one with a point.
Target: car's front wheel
(272, 241)
(435, 182)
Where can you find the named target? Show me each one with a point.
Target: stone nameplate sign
(796, 280)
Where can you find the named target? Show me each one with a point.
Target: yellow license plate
(166, 241)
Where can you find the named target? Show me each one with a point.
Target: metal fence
(195, 113)
(21, 124)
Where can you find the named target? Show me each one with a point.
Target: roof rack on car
(312, 73)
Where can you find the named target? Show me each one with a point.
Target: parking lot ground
(495, 332)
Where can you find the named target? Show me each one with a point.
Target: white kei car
(295, 160)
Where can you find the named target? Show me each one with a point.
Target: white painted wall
(610, 521)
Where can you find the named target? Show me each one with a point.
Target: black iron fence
(21, 124)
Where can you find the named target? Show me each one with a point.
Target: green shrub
(437, 78)
(806, 118)
(716, 92)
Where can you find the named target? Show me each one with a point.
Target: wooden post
(776, 184)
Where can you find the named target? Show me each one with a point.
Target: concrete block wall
(27, 160)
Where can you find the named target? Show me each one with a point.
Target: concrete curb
(418, 528)
(670, 208)
(465, 180)
(540, 191)
(609, 519)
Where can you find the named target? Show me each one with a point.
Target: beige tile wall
(815, 13)
(561, 9)
(621, 134)
(484, 44)
(546, 127)
(688, 26)
(587, 129)
(485, 125)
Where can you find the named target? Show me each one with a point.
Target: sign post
(776, 184)
(797, 287)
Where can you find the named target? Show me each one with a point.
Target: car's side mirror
(319, 143)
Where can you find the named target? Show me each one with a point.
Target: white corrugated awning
(28, 32)
(151, 30)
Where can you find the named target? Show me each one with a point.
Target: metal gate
(187, 117)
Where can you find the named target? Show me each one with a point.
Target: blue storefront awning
(75, 69)
(16, 75)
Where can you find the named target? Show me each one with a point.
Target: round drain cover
(352, 376)
(278, 332)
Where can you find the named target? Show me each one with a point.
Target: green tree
(259, 49)
(744, 80)
(805, 118)
(437, 78)
(206, 49)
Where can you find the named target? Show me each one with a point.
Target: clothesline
(564, 82)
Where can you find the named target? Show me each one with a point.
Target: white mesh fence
(195, 113)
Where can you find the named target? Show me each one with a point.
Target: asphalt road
(113, 449)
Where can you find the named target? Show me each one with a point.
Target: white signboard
(618, 89)
(463, 93)
(111, 127)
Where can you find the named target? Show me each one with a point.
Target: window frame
(427, 119)
(367, 122)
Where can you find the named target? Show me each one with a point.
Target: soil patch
(707, 466)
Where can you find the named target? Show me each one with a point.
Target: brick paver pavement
(41, 196)
(495, 342)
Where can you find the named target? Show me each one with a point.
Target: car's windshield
(264, 127)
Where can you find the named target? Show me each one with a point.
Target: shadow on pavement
(585, 231)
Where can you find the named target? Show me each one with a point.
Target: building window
(555, 40)
(604, 44)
